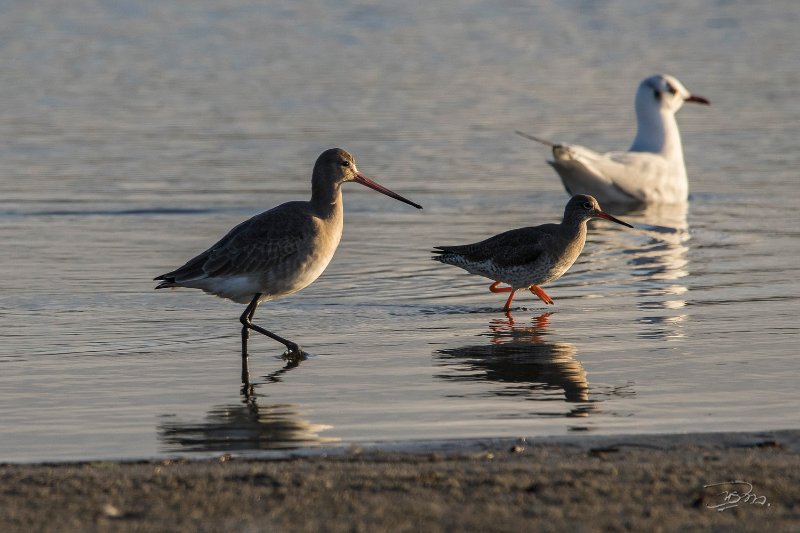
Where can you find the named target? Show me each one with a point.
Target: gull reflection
(659, 263)
(521, 358)
(245, 426)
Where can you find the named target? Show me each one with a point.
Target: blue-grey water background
(136, 133)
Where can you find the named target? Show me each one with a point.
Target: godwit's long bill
(652, 170)
(527, 258)
(279, 251)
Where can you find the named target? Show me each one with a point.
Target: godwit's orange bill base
(527, 258)
(279, 251)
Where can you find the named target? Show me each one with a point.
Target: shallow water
(137, 135)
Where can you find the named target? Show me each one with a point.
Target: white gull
(651, 171)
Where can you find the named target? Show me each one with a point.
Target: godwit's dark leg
(247, 324)
(538, 291)
(507, 307)
(494, 287)
(246, 319)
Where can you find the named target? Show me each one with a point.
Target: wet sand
(636, 483)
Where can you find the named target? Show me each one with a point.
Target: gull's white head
(664, 92)
(657, 100)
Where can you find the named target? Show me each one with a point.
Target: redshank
(651, 171)
(279, 251)
(527, 258)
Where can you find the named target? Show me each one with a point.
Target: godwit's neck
(326, 199)
(657, 132)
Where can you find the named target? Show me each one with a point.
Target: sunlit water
(134, 136)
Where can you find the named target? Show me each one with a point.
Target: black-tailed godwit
(279, 251)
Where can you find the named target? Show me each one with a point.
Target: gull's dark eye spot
(345, 163)
(587, 205)
(671, 89)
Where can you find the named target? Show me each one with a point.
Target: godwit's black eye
(587, 205)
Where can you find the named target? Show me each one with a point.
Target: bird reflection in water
(292, 360)
(245, 426)
(522, 359)
(502, 330)
(659, 264)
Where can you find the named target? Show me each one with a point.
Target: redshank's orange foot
(494, 287)
(538, 291)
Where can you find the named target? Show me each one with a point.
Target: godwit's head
(336, 166)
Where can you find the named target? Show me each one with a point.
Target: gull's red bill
(698, 99)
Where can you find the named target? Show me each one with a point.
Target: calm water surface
(136, 135)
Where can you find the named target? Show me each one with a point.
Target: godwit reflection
(245, 426)
(292, 362)
(521, 358)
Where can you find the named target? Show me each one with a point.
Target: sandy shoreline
(634, 483)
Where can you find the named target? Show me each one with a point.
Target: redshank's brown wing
(515, 247)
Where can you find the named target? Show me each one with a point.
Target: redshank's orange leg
(538, 291)
(494, 287)
(507, 307)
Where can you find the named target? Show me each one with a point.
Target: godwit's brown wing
(262, 243)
